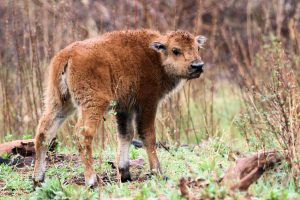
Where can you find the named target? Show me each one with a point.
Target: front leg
(146, 129)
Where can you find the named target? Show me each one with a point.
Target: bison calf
(134, 68)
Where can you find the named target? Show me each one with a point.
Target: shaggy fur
(136, 69)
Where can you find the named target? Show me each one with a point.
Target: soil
(24, 165)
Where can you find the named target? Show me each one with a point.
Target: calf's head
(180, 54)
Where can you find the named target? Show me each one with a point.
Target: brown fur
(120, 66)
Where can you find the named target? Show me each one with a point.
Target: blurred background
(249, 91)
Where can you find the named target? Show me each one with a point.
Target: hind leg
(46, 131)
(86, 128)
(125, 135)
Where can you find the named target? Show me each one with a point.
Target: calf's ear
(201, 40)
(158, 46)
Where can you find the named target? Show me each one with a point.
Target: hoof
(125, 175)
(126, 178)
(92, 182)
(156, 172)
(92, 187)
(37, 182)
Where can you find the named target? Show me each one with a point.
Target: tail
(57, 91)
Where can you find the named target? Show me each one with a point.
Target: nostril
(197, 65)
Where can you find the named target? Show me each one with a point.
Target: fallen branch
(248, 170)
(23, 147)
(26, 147)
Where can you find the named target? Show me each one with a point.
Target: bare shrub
(33, 30)
(274, 105)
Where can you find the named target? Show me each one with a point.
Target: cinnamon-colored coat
(135, 69)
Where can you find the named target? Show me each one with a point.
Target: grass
(218, 126)
(207, 161)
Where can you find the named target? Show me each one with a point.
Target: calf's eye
(176, 51)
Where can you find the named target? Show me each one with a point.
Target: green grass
(14, 183)
(207, 161)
